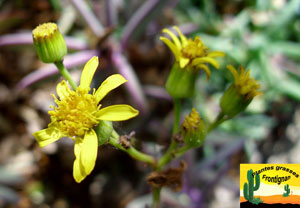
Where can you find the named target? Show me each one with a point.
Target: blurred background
(262, 35)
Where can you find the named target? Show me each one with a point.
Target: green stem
(167, 157)
(177, 109)
(220, 119)
(114, 140)
(156, 197)
(65, 73)
(180, 151)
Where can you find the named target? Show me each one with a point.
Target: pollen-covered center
(194, 49)
(75, 113)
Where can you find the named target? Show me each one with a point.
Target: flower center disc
(75, 114)
(194, 48)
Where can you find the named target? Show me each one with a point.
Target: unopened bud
(193, 129)
(49, 43)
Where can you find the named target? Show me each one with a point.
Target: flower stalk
(65, 73)
(134, 153)
(219, 120)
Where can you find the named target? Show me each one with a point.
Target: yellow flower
(78, 112)
(191, 54)
(245, 85)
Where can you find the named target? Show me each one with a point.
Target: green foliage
(287, 189)
(249, 187)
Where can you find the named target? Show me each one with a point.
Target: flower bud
(240, 94)
(49, 43)
(193, 129)
(104, 131)
(181, 83)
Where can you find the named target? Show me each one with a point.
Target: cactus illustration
(287, 189)
(249, 187)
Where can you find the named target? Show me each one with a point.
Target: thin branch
(133, 86)
(140, 19)
(157, 92)
(50, 69)
(90, 18)
(26, 39)
(111, 13)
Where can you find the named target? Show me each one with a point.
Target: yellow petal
(183, 62)
(233, 72)
(47, 136)
(89, 150)
(78, 170)
(88, 73)
(216, 54)
(62, 89)
(117, 113)
(172, 47)
(182, 37)
(108, 85)
(206, 69)
(203, 60)
(174, 38)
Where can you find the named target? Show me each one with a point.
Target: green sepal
(181, 82)
(104, 131)
(195, 138)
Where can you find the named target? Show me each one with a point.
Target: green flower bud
(104, 131)
(180, 82)
(193, 129)
(232, 102)
(240, 94)
(49, 43)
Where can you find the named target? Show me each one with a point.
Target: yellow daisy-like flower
(191, 54)
(78, 112)
(245, 85)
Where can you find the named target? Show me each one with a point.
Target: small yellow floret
(191, 121)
